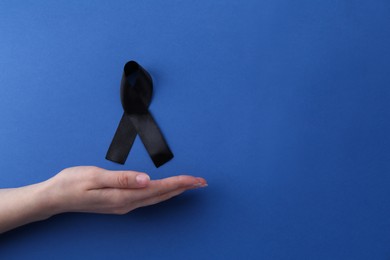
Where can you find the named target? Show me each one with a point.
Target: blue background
(283, 106)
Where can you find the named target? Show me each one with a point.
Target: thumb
(123, 179)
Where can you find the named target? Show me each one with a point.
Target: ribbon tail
(152, 138)
(123, 141)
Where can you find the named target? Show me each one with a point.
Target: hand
(96, 190)
(88, 189)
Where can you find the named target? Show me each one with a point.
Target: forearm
(23, 205)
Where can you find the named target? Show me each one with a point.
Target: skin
(88, 189)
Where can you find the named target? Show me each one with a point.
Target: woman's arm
(20, 206)
(88, 189)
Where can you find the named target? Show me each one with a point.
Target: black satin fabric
(136, 95)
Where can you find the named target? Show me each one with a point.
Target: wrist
(46, 202)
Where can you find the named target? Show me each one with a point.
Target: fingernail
(142, 179)
(200, 185)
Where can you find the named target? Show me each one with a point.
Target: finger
(158, 187)
(160, 198)
(168, 195)
(163, 186)
(123, 179)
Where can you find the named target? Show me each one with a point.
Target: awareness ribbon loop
(136, 95)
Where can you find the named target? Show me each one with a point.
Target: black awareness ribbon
(136, 95)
